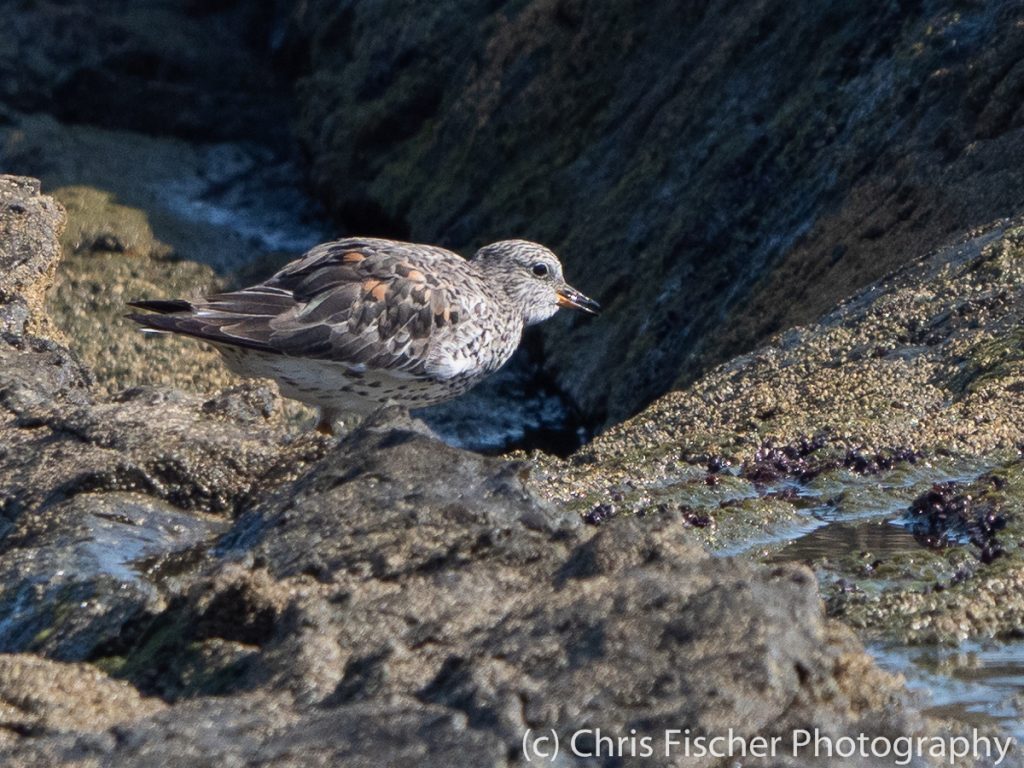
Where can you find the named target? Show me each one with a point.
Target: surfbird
(362, 323)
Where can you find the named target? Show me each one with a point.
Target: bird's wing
(372, 304)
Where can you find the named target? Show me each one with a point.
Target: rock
(73, 574)
(386, 476)
(385, 599)
(709, 193)
(927, 361)
(251, 728)
(110, 260)
(43, 697)
(29, 254)
(164, 443)
(188, 69)
(93, 487)
(710, 175)
(213, 208)
(924, 369)
(402, 574)
(97, 223)
(533, 627)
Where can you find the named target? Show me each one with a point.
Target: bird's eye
(540, 270)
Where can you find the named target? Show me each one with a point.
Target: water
(847, 518)
(129, 541)
(979, 684)
(842, 512)
(515, 408)
(881, 538)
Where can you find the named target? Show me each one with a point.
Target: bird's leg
(327, 423)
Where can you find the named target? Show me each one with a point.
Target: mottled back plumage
(364, 322)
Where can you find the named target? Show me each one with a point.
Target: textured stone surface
(917, 379)
(29, 253)
(930, 359)
(383, 600)
(93, 490)
(41, 697)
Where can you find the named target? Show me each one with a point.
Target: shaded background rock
(186, 68)
(713, 173)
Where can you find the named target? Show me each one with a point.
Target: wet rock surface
(384, 599)
(880, 445)
(927, 362)
(77, 571)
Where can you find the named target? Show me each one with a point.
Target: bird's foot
(330, 423)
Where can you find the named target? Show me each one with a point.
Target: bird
(362, 323)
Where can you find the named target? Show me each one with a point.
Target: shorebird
(362, 323)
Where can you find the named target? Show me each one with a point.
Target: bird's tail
(184, 318)
(166, 317)
(162, 306)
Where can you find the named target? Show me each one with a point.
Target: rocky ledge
(916, 381)
(187, 579)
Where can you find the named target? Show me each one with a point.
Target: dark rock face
(192, 69)
(387, 600)
(74, 572)
(710, 172)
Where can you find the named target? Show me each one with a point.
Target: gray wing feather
(372, 303)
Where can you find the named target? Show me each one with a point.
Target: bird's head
(532, 276)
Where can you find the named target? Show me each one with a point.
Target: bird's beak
(571, 298)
